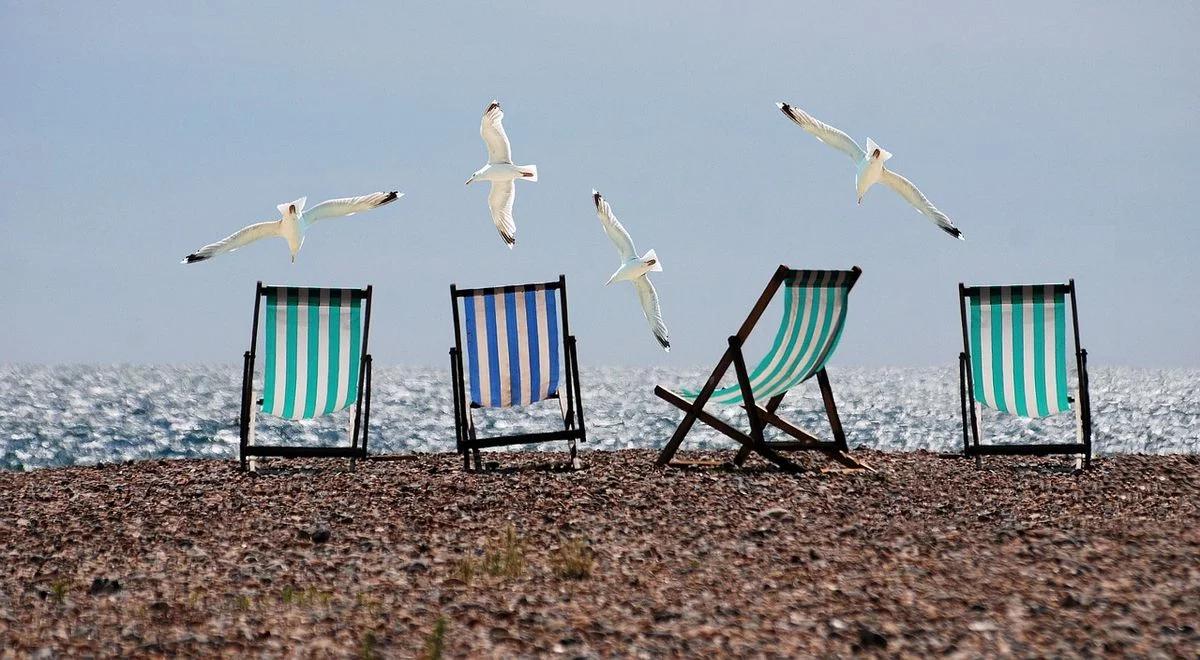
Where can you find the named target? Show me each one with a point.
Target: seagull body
(294, 224)
(634, 269)
(501, 172)
(869, 168)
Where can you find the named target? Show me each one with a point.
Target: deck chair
(814, 311)
(315, 362)
(1014, 361)
(512, 358)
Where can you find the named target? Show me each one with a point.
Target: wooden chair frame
(760, 417)
(467, 442)
(971, 411)
(362, 409)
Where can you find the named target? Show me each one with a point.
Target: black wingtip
(596, 199)
(491, 106)
(954, 231)
(391, 197)
(786, 109)
(665, 344)
(193, 258)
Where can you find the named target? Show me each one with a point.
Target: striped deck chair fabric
(512, 345)
(814, 312)
(1018, 348)
(312, 351)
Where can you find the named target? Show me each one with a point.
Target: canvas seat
(315, 363)
(814, 313)
(516, 352)
(1014, 361)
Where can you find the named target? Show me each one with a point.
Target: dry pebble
(925, 556)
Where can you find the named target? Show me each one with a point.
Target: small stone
(320, 535)
(104, 586)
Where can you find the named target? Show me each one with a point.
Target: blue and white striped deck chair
(513, 347)
(315, 362)
(814, 313)
(1015, 354)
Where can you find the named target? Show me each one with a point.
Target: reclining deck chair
(1014, 360)
(513, 359)
(315, 363)
(814, 311)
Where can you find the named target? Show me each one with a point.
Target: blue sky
(1060, 137)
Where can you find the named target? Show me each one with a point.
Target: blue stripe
(535, 367)
(489, 317)
(552, 325)
(472, 348)
(514, 349)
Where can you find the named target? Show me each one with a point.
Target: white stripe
(343, 387)
(481, 343)
(839, 302)
(523, 347)
(1051, 354)
(1027, 333)
(985, 346)
(323, 352)
(1006, 343)
(301, 355)
(280, 352)
(502, 350)
(543, 343)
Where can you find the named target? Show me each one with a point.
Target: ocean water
(80, 415)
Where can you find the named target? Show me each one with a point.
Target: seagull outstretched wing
(336, 208)
(492, 131)
(824, 132)
(500, 201)
(239, 238)
(919, 202)
(649, 299)
(613, 227)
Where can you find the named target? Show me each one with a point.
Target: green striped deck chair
(315, 362)
(1014, 361)
(814, 314)
(516, 348)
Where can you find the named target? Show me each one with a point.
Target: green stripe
(269, 348)
(355, 351)
(1060, 350)
(977, 347)
(823, 334)
(997, 339)
(335, 349)
(289, 383)
(314, 363)
(1039, 350)
(1018, 350)
(792, 349)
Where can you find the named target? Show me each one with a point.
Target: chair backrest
(314, 342)
(513, 342)
(814, 313)
(1016, 337)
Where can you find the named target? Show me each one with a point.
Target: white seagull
(870, 167)
(634, 269)
(294, 223)
(501, 172)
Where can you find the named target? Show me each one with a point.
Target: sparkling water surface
(81, 415)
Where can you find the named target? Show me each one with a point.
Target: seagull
(501, 172)
(870, 167)
(294, 223)
(634, 269)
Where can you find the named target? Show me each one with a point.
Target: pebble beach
(416, 558)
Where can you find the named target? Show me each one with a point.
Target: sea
(54, 416)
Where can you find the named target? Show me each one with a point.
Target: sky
(1060, 137)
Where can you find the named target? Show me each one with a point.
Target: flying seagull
(294, 224)
(501, 172)
(634, 269)
(870, 167)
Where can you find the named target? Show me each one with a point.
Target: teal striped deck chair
(513, 347)
(814, 314)
(315, 362)
(1014, 360)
